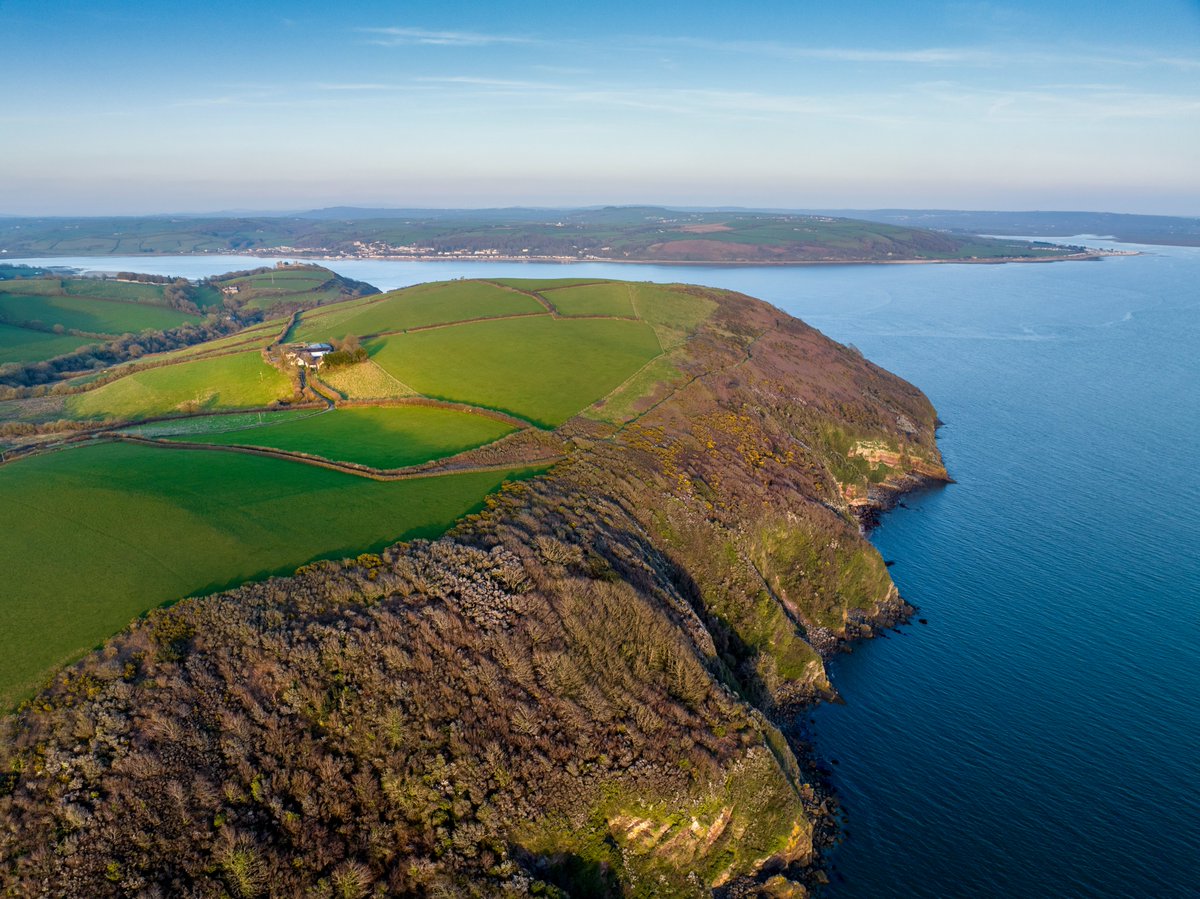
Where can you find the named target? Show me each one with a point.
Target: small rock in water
(923, 620)
(889, 562)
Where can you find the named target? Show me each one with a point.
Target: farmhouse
(231, 289)
(309, 354)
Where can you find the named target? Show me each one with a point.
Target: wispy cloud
(395, 37)
(980, 56)
(919, 55)
(355, 86)
(474, 81)
(1056, 103)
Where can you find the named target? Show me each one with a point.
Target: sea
(1037, 731)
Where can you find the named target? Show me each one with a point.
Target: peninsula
(630, 517)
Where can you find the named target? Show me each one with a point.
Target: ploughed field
(184, 472)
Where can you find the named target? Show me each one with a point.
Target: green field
(364, 381)
(33, 286)
(239, 380)
(283, 280)
(612, 298)
(670, 310)
(288, 286)
(379, 436)
(415, 307)
(634, 396)
(201, 426)
(540, 284)
(542, 369)
(108, 531)
(206, 296)
(95, 316)
(26, 345)
(107, 288)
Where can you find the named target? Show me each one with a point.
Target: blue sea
(1040, 734)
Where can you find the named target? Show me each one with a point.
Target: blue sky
(137, 107)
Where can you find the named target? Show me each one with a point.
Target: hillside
(55, 328)
(639, 234)
(1167, 230)
(585, 688)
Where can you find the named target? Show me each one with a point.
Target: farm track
(556, 313)
(465, 321)
(434, 468)
(545, 303)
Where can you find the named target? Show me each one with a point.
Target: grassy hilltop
(636, 511)
(648, 234)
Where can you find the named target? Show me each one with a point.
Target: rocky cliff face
(577, 691)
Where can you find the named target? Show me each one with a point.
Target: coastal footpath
(587, 688)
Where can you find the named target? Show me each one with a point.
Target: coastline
(795, 720)
(1090, 256)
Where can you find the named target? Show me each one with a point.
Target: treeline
(143, 278)
(347, 351)
(178, 293)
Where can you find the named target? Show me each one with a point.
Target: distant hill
(614, 233)
(1151, 229)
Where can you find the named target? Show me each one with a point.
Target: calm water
(1041, 735)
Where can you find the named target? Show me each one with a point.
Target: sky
(136, 108)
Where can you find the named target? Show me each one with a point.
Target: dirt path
(434, 468)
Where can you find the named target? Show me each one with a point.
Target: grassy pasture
(206, 296)
(540, 284)
(108, 531)
(670, 310)
(638, 393)
(364, 381)
(379, 436)
(267, 301)
(202, 425)
(32, 286)
(25, 345)
(284, 279)
(611, 298)
(425, 304)
(541, 369)
(88, 314)
(107, 288)
(238, 380)
(285, 286)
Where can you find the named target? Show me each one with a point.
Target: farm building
(309, 354)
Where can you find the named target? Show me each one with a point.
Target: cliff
(578, 691)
